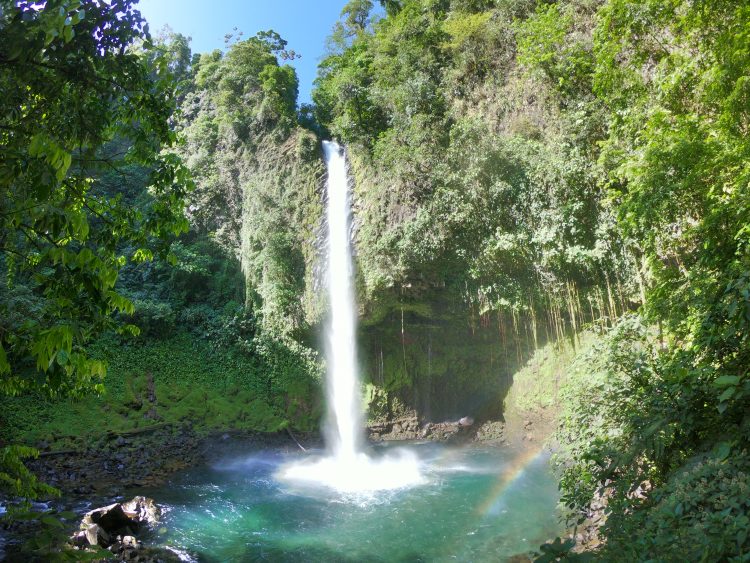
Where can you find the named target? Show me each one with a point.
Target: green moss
(193, 383)
(537, 383)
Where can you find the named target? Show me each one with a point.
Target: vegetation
(554, 189)
(119, 259)
(225, 390)
(556, 165)
(257, 174)
(480, 204)
(74, 105)
(76, 102)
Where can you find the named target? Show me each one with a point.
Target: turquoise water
(478, 504)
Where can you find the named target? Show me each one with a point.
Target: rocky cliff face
(439, 368)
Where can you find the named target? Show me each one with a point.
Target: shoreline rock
(461, 431)
(117, 527)
(108, 525)
(115, 463)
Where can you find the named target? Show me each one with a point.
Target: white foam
(357, 474)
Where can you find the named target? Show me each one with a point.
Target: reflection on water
(475, 504)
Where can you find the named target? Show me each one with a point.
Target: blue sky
(305, 24)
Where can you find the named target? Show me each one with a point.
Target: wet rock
(441, 431)
(490, 431)
(110, 518)
(94, 535)
(143, 510)
(466, 421)
(102, 525)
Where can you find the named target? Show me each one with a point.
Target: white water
(344, 425)
(347, 467)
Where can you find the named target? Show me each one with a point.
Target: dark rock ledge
(118, 529)
(464, 430)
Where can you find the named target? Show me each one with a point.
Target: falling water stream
(344, 425)
(351, 501)
(346, 467)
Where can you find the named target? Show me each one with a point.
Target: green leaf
(723, 450)
(4, 365)
(726, 380)
(62, 357)
(143, 255)
(727, 394)
(51, 521)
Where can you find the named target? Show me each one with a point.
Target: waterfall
(347, 467)
(344, 424)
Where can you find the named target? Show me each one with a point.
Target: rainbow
(510, 475)
(492, 502)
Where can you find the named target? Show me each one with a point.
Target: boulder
(143, 510)
(96, 535)
(109, 519)
(103, 526)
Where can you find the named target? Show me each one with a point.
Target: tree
(354, 22)
(256, 172)
(356, 14)
(78, 100)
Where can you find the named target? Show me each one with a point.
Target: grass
(194, 383)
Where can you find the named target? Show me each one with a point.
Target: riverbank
(147, 458)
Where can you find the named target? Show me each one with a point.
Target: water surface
(477, 504)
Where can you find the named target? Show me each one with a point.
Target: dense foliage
(75, 102)
(257, 173)
(470, 176)
(562, 163)
(102, 240)
(676, 157)
(479, 205)
(524, 169)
